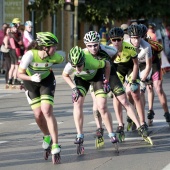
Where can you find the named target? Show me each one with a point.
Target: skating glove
(142, 86)
(36, 77)
(106, 86)
(134, 86)
(75, 94)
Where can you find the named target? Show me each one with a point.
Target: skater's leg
(78, 114)
(129, 108)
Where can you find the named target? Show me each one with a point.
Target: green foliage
(44, 8)
(97, 12)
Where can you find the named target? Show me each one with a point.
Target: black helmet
(152, 25)
(144, 29)
(135, 30)
(116, 32)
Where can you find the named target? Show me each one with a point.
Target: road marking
(93, 122)
(167, 167)
(84, 111)
(36, 123)
(24, 111)
(3, 142)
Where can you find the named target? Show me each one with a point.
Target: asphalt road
(21, 139)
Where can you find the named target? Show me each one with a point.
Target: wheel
(56, 158)
(148, 140)
(116, 145)
(80, 149)
(99, 142)
(129, 126)
(150, 121)
(46, 154)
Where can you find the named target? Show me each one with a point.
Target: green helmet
(91, 36)
(76, 56)
(46, 39)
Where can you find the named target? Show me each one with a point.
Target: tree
(98, 12)
(44, 8)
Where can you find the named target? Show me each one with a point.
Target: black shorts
(45, 87)
(96, 82)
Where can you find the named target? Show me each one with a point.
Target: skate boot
(120, 133)
(167, 117)
(143, 131)
(9, 84)
(99, 139)
(46, 145)
(55, 151)
(150, 117)
(115, 141)
(79, 142)
(130, 122)
(16, 83)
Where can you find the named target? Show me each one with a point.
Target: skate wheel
(80, 149)
(116, 145)
(99, 142)
(150, 121)
(129, 126)
(56, 158)
(148, 140)
(46, 154)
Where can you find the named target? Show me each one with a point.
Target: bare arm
(147, 69)
(135, 68)
(68, 80)
(107, 70)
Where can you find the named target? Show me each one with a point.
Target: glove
(133, 86)
(106, 86)
(36, 78)
(75, 94)
(142, 86)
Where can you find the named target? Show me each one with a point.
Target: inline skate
(79, 142)
(143, 131)
(115, 141)
(150, 117)
(120, 133)
(55, 151)
(99, 139)
(167, 117)
(131, 125)
(47, 142)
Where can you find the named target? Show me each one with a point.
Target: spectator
(125, 28)
(1, 40)
(27, 37)
(7, 60)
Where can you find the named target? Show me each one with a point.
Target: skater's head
(92, 41)
(76, 57)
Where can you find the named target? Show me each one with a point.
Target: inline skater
(126, 64)
(88, 71)
(38, 78)
(103, 52)
(155, 79)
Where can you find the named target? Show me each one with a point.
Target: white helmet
(28, 23)
(91, 36)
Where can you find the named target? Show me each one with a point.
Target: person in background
(124, 27)
(7, 59)
(4, 25)
(27, 37)
(15, 54)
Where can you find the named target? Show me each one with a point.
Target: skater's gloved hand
(142, 86)
(106, 86)
(134, 86)
(75, 94)
(36, 77)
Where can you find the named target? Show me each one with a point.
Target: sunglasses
(116, 39)
(79, 65)
(94, 45)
